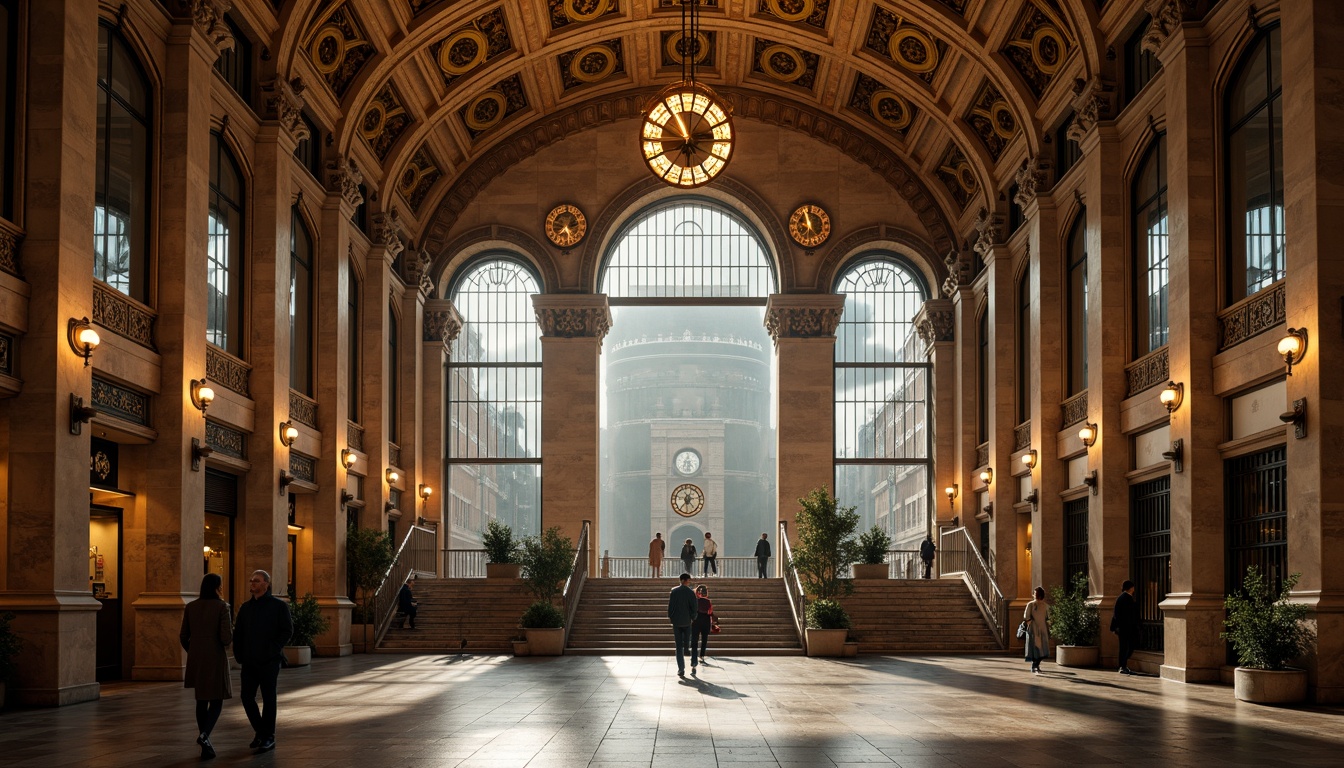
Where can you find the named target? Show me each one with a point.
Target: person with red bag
(705, 624)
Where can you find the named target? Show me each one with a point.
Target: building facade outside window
(1254, 142)
(121, 192)
(224, 251)
(1151, 267)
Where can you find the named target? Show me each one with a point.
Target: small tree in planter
(368, 555)
(1074, 624)
(501, 551)
(546, 561)
(872, 554)
(825, 546)
(1267, 632)
(10, 645)
(308, 624)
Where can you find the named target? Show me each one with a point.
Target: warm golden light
(1292, 346)
(1088, 434)
(348, 458)
(425, 491)
(288, 433)
(202, 394)
(392, 476)
(951, 492)
(987, 475)
(1171, 396)
(83, 339)
(1029, 459)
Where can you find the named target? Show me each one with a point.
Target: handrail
(578, 575)
(958, 556)
(638, 567)
(415, 555)
(793, 586)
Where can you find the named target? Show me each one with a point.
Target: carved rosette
(207, 16)
(282, 101)
(10, 237)
(1094, 103)
(1074, 410)
(387, 232)
(1032, 180)
(991, 227)
(935, 322)
(1263, 311)
(1146, 372)
(302, 409)
(795, 316)
(572, 316)
(442, 322)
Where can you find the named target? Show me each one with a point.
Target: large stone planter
(520, 648)
(1077, 655)
(863, 572)
(503, 570)
(545, 642)
(298, 655)
(1266, 686)
(826, 642)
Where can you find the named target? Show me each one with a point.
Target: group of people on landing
(692, 617)
(1124, 623)
(710, 553)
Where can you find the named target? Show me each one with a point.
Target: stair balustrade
(464, 563)
(578, 574)
(793, 586)
(638, 567)
(415, 556)
(958, 556)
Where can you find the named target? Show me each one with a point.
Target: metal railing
(793, 586)
(958, 556)
(638, 567)
(464, 563)
(414, 556)
(578, 574)
(901, 564)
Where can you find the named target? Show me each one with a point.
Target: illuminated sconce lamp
(202, 394)
(1034, 497)
(952, 491)
(1171, 396)
(987, 475)
(82, 337)
(1029, 459)
(285, 480)
(1176, 456)
(392, 476)
(288, 433)
(1090, 480)
(1293, 346)
(424, 491)
(295, 527)
(348, 458)
(1088, 434)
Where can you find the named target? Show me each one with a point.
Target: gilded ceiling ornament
(913, 49)
(338, 48)
(782, 63)
(1038, 46)
(891, 109)
(674, 47)
(586, 10)
(463, 51)
(957, 175)
(418, 177)
(792, 10)
(485, 111)
(992, 119)
(385, 120)
(592, 64)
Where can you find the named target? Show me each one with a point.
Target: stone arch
(469, 244)
(895, 239)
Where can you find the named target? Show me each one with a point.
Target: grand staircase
(462, 616)
(629, 616)
(914, 615)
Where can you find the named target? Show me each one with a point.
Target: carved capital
(415, 270)
(442, 322)
(387, 231)
(207, 16)
(282, 101)
(935, 322)
(1094, 101)
(1032, 179)
(960, 271)
(572, 315)
(803, 316)
(1167, 18)
(343, 177)
(991, 227)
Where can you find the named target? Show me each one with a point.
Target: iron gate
(1150, 553)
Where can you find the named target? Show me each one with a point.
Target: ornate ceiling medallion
(782, 63)
(675, 47)
(592, 64)
(462, 52)
(913, 49)
(586, 10)
(485, 111)
(792, 10)
(891, 109)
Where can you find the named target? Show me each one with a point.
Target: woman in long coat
(207, 629)
(656, 549)
(1038, 633)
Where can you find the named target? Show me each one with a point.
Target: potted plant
(872, 552)
(368, 555)
(308, 624)
(1074, 624)
(546, 561)
(1266, 633)
(501, 552)
(9, 648)
(824, 547)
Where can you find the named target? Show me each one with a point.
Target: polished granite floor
(376, 711)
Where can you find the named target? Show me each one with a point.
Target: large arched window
(882, 441)
(494, 402)
(121, 187)
(1076, 295)
(1024, 347)
(1254, 141)
(1150, 250)
(300, 305)
(982, 375)
(393, 376)
(354, 324)
(9, 108)
(224, 251)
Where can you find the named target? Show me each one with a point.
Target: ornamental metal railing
(639, 568)
(901, 564)
(958, 557)
(578, 575)
(414, 557)
(793, 586)
(464, 563)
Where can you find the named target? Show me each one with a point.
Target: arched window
(121, 187)
(1150, 250)
(393, 376)
(354, 323)
(9, 108)
(1024, 347)
(224, 251)
(1254, 120)
(882, 441)
(982, 374)
(1076, 295)
(300, 305)
(494, 401)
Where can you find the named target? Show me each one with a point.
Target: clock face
(810, 225)
(566, 225)
(688, 500)
(687, 462)
(687, 136)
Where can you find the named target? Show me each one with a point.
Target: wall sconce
(199, 451)
(1034, 497)
(1090, 480)
(288, 433)
(82, 337)
(1088, 433)
(1172, 395)
(392, 476)
(348, 458)
(202, 394)
(1029, 459)
(425, 492)
(388, 506)
(285, 480)
(346, 497)
(1175, 456)
(987, 475)
(1293, 346)
(951, 492)
(1297, 417)
(80, 414)
(989, 509)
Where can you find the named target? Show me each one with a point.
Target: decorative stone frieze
(1147, 372)
(394, 454)
(1095, 101)
(344, 178)
(442, 322)
(570, 316)
(227, 371)
(354, 436)
(1032, 179)
(6, 354)
(225, 440)
(302, 467)
(803, 316)
(1074, 410)
(982, 455)
(302, 409)
(1253, 316)
(282, 101)
(122, 315)
(207, 16)
(1167, 16)
(991, 228)
(387, 231)
(1022, 436)
(10, 237)
(935, 322)
(119, 401)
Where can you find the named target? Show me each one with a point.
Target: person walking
(1038, 632)
(926, 553)
(207, 630)
(704, 621)
(657, 548)
(711, 554)
(1125, 624)
(762, 557)
(406, 602)
(688, 555)
(264, 626)
(681, 611)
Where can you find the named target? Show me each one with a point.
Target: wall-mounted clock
(566, 225)
(686, 462)
(810, 225)
(688, 500)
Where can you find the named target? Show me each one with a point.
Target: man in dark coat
(926, 550)
(406, 602)
(762, 557)
(264, 626)
(1125, 624)
(682, 608)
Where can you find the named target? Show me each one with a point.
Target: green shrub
(10, 645)
(499, 544)
(873, 546)
(1073, 620)
(308, 620)
(826, 614)
(547, 561)
(542, 615)
(1265, 632)
(825, 544)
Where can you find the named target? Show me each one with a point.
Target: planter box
(1265, 686)
(520, 648)
(1077, 655)
(545, 642)
(866, 572)
(298, 655)
(851, 650)
(826, 642)
(503, 570)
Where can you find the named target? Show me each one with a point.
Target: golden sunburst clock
(566, 225)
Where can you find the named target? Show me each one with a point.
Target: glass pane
(500, 326)
(1250, 87)
(881, 301)
(1077, 308)
(494, 413)
(893, 497)
(881, 412)
(218, 554)
(479, 493)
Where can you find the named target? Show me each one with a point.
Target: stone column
(47, 518)
(378, 286)
(936, 324)
(572, 329)
(803, 327)
(441, 328)
(1193, 611)
(962, 425)
(1313, 131)
(415, 274)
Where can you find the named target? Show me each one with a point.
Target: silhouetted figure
(207, 630)
(1125, 624)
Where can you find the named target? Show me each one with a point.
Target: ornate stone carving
(1032, 179)
(119, 401)
(935, 322)
(1022, 436)
(343, 177)
(960, 271)
(1147, 372)
(229, 442)
(208, 18)
(302, 467)
(1259, 313)
(394, 454)
(10, 237)
(991, 227)
(1095, 101)
(982, 455)
(573, 322)
(6, 354)
(120, 314)
(803, 316)
(442, 324)
(282, 101)
(1167, 16)
(226, 370)
(1074, 410)
(415, 270)
(354, 436)
(387, 231)
(302, 409)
